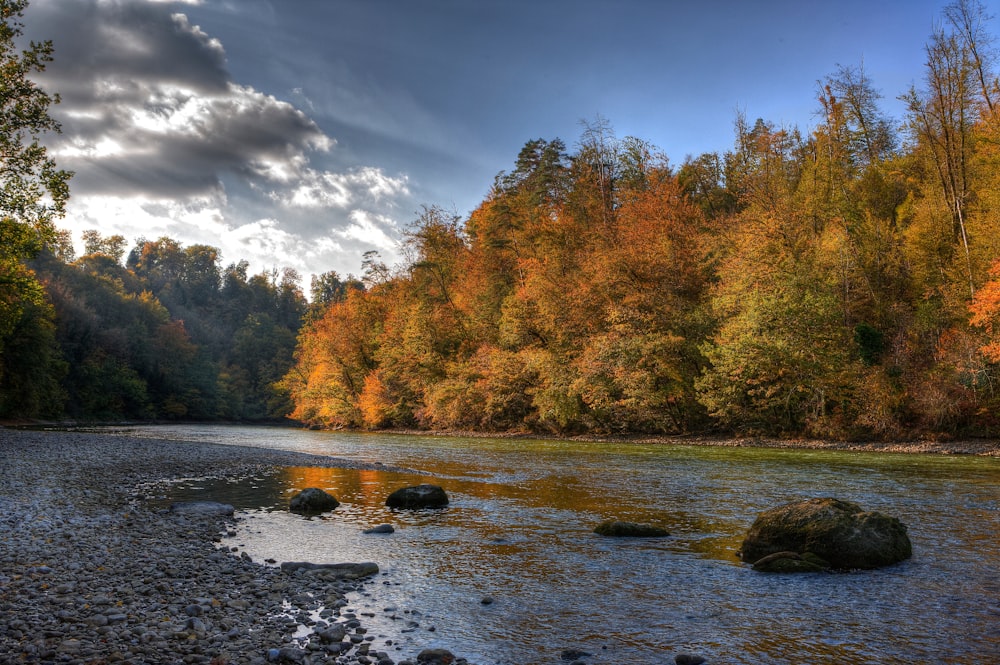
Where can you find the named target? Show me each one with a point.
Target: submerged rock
(312, 500)
(419, 496)
(688, 659)
(331, 571)
(838, 533)
(206, 508)
(573, 654)
(435, 657)
(381, 528)
(616, 529)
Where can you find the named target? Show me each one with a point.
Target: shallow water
(519, 529)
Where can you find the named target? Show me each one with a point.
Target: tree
(111, 246)
(985, 310)
(968, 18)
(329, 288)
(33, 191)
(944, 113)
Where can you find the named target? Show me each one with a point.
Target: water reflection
(519, 529)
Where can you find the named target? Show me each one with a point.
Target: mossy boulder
(311, 501)
(839, 533)
(419, 496)
(616, 529)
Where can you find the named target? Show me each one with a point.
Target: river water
(519, 529)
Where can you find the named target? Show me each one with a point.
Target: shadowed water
(519, 529)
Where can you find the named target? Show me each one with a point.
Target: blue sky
(302, 133)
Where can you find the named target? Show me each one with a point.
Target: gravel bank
(90, 574)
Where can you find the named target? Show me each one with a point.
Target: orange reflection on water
(367, 487)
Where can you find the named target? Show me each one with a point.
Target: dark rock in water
(312, 500)
(206, 508)
(435, 657)
(791, 562)
(688, 659)
(381, 528)
(332, 571)
(616, 529)
(419, 496)
(573, 654)
(838, 533)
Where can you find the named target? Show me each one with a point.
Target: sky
(303, 133)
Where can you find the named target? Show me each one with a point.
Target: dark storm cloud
(127, 42)
(148, 107)
(163, 139)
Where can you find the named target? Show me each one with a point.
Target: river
(519, 528)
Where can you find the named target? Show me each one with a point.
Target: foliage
(33, 192)
(166, 336)
(796, 284)
(840, 283)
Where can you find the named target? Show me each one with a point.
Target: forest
(839, 283)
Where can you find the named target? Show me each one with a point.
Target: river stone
(688, 659)
(419, 496)
(435, 657)
(838, 532)
(205, 508)
(312, 500)
(616, 529)
(573, 654)
(332, 571)
(381, 528)
(332, 635)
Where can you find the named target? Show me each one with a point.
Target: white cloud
(371, 229)
(163, 142)
(315, 189)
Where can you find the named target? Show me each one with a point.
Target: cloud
(325, 189)
(265, 242)
(164, 142)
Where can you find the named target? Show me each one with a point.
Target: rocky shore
(91, 573)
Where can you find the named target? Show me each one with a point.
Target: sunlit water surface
(519, 529)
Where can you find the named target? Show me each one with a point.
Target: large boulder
(312, 500)
(419, 496)
(826, 532)
(616, 529)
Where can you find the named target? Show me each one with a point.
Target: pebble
(94, 571)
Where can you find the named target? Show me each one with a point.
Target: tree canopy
(840, 282)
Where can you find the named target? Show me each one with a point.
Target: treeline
(841, 283)
(164, 332)
(833, 284)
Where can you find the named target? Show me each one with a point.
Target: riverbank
(982, 447)
(91, 573)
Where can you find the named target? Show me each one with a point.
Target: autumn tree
(958, 86)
